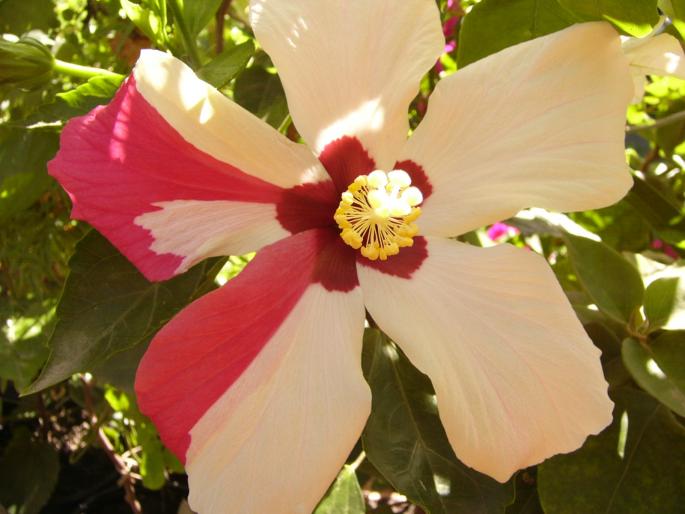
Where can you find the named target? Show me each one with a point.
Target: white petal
(220, 127)
(516, 377)
(350, 68)
(196, 229)
(277, 438)
(540, 124)
(658, 55)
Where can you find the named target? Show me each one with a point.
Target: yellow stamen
(376, 214)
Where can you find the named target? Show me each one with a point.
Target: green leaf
(77, 101)
(261, 93)
(636, 466)
(21, 360)
(344, 496)
(28, 474)
(634, 17)
(20, 16)
(665, 302)
(198, 13)
(661, 212)
(88, 95)
(224, 67)
(612, 282)
(150, 17)
(107, 307)
(23, 167)
(406, 442)
(493, 25)
(658, 368)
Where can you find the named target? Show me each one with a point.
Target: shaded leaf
(612, 282)
(493, 25)
(344, 496)
(261, 93)
(28, 474)
(224, 67)
(658, 368)
(404, 439)
(661, 212)
(107, 307)
(23, 167)
(623, 469)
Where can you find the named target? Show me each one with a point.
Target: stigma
(376, 214)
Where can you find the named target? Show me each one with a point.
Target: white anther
(378, 198)
(377, 179)
(412, 196)
(399, 178)
(348, 198)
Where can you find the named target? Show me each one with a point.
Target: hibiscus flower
(257, 386)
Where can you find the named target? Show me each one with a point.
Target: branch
(220, 18)
(126, 481)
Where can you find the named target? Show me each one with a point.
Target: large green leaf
(636, 466)
(634, 17)
(658, 368)
(344, 496)
(406, 442)
(261, 93)
(28, 474)
(107, 307)
(23, 167)
(612, 282)
(493, 25)
(224, 67)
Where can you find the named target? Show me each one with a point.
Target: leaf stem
(358, 461)
(667, 120)
(188, 40)
(82, 72)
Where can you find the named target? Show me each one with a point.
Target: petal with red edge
(539, 124)
(516, 377)
(261, 376)
(139, 170)
(350, 68)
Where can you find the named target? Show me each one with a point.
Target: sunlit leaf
(612, 282)
(634, 17)
(665, 302)
(198, 13)
(344, 496)
(658, 368)
(224, 67)
(493, 25)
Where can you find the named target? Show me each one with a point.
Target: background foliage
(76, 316)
